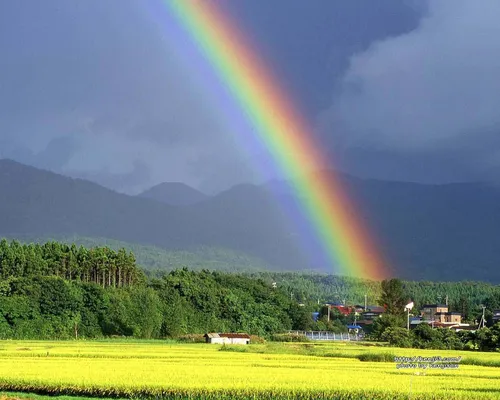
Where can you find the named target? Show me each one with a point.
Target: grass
(33, 396)
(264, 371)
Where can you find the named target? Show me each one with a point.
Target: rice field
(134, 369)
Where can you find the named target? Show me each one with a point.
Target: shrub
(399, 337)
(234, 349)
(377, 357)
(289, 337)
(254, 339)
(192, 338)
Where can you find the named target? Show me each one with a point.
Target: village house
(429, 311)
(496, 316)
(227, 338)
(343, 309)
(448, 317)
(372, 313)
(439, 316)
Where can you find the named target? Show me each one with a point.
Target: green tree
(393, 296)
(384, 322)
(397, 336)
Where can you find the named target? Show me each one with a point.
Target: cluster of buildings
(439, 316)
(435, 315)
(366, 314)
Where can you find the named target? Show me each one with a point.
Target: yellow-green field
(199, 371)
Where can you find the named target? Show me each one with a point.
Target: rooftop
(434, 306)
(213, 335)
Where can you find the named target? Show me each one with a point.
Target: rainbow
(284, 134)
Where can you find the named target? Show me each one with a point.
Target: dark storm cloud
(97, 88)
(102, 72)
(130, 181)
(308, 43)
(55, 156)
(426, 98)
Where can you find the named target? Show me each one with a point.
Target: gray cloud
(104, 89)
(106, 75)
(55, 156)
(432, 91)
(129, 181)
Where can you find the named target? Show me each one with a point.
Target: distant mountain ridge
(174, 193)
(157, 258)
(41, 203)
(431, 232)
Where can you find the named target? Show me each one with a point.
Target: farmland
(197, 371)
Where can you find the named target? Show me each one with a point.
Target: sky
(394, 89)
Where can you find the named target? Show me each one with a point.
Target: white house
(227, 338)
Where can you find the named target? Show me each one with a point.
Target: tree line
(59, 291)
(100, 265)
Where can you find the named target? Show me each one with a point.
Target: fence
(324, 335)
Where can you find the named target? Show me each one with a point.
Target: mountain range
(425, 232)
(174, 193)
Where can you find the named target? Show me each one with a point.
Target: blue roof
(354, 327)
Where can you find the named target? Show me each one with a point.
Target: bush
(377, 357)
(192, 338)
(289, 337)
(234, 349)
(399, 337)
(254, 339)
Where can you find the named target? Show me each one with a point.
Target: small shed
(227, 338)
(354, 328)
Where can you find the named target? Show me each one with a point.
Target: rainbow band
(285, 135)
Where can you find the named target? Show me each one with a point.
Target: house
(227, 338)
(344, 310)
(448, 317)
(463, 327)
(376, 309)
(429, 310)
(415, 321)
(454, 326)
(359, 309)
(371, 315)
(496, 316)
(438, 314)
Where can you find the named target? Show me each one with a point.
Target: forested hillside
(157, 259)
(58, 291)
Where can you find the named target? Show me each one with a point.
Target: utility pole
(446, 299)
(328, 312)
(408, 318)
(365, 302)
(483, 321)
